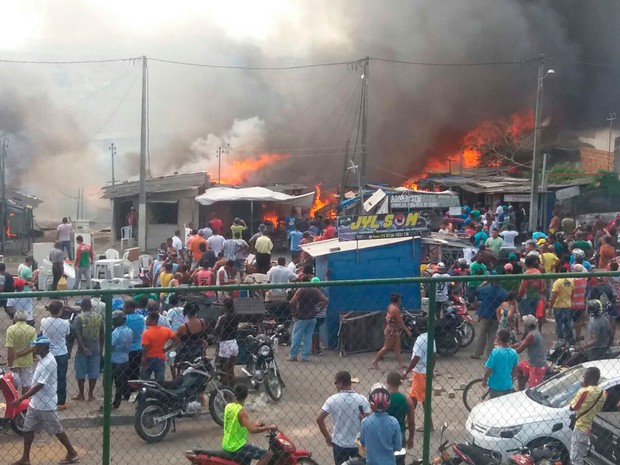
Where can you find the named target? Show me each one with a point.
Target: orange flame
(321, 201)
(318, 203)
(487, 131)
(271, 216)
(239, 171)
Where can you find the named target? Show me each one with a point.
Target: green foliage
(561, 172)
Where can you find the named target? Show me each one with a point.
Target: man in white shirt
(294, 263)
(63, 235)
(280, 274)
(347, 409)
(441, 296)
(216, 242)
(41, 413)
(509, 236)
(177, 243)
(25, 304)
(419, 357)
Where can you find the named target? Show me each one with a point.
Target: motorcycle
(262, 366)
(474, 455)
(160, 405)
(284, 453)
(447, 334)
(466, 326)
(443, 457)
(14, 416)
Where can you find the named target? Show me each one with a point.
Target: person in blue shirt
(480, 237)
(380, 432)
(501, 366)
(122, 338)
(295, 239)
(135, 322)
(539, 234)
(489, 296)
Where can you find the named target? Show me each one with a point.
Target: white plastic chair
(114, 283)
(126, 235)
(145, 260)
(112, 254)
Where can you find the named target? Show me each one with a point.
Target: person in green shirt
(237, 425)
(237, 228)
(495, 243)
(401, 407)
(19, 353)
(475, 269)
(24, 271)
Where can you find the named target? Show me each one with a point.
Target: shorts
(23, 376)
(534, 374)
(37, 420)
(578, 315)
(418, 387)
(228, 348)
(246, 453)
(87, 366)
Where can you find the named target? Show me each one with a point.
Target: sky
(61, 119)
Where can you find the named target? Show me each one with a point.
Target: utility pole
(343, 181)
(221, 152)
(142, 195)
(5, 216)
(364, 152)
(534, 197)
(611, 118)
(112, 155)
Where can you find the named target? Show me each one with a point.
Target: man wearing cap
(21, 303)
(41, 412)
(347, 408)
(237, 228)
(18, 351)
(533, 369)
(89, 337)
(443, 287)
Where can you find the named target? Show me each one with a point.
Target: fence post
(430, 353)
(107, 379)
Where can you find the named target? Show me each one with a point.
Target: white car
(538, 415)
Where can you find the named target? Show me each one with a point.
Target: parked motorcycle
(284, 453)
(466, 325)
(448, 336)
(262, 366)
(14, 416)
(160, 405)
(474, 455)
(443, 457)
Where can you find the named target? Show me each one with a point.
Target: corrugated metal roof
(320, 248)
(176, 182)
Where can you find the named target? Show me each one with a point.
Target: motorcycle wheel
(306, 461)
(218, 399)
(144, 425)
(469, 333)
(273, 387)
(447, 346)
(17, 423)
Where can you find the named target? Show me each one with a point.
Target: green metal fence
(107, 437)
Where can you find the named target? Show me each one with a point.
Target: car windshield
(559, 390)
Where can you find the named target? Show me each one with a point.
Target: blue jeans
(564, 324)
(66, 245)
(302, 331)
(155, 366)
(61, 371)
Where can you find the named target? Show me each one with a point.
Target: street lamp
(533, 223)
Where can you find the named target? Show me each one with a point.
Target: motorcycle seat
(541, 453)
(221, 454)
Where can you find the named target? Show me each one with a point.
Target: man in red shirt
(153, 341)
(194, 248)
(330, 231)
(216, 224)
(84, 256)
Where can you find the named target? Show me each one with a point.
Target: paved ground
(308, 385)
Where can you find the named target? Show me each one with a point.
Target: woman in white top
(57, 329)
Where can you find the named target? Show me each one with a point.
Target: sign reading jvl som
(385, 226)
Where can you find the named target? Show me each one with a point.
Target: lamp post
(611, 118)
(533, 220)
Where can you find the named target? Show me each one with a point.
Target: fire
(239, 171)
(321, 202)
(271, 216)
(411, 184)
(9, 234)
(500, 133)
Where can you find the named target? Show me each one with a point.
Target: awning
(330, 246)
(224, 194)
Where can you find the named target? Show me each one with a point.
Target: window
(163, 212)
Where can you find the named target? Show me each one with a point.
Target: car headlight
(504, 431)
(264, 350)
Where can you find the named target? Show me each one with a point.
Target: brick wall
(593, 160)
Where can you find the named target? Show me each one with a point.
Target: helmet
(379, 398)
(578, 253)
(441, 266)
(118, 318)
(462, 262)
(594, 307)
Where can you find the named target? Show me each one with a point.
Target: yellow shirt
(563, 287)
(584, 420)
(263, 245)
(19, 336)
(165, 278)
(549, 260)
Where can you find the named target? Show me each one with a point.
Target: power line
(68, 62)
(471, 64)
(255, 68)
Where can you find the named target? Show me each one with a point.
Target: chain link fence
(291, 367)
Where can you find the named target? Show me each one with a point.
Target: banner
(390, 225)
(411, 200)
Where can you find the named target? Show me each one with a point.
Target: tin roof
(175, 182)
